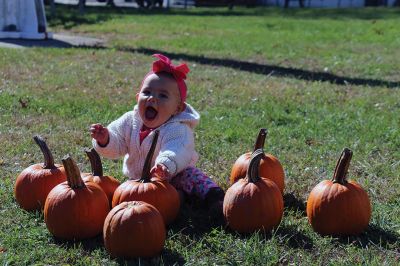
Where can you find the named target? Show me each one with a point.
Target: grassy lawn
(318, 80)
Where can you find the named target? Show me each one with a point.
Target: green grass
(338, 40)
(250, 68)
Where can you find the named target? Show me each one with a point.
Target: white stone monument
(23, 19)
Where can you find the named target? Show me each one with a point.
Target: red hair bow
(165, 64)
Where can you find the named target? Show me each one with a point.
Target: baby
(160, 105)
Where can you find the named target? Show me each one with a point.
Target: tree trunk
(52, 8)
(110, 3)
(81, 5)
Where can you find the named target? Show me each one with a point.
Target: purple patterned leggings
(193, 182)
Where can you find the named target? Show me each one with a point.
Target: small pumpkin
(108, 183)
(34, 183)
(254, 202)
(75, 209)
(339, 206)
(152, 190)
(270, 167)
(134, 229)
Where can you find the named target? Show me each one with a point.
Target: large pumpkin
(108, 183)
(35, 182)
(339, 206)
(152, 190)
(270, 167)
(134, 229)
(254, 202)
(75, 209)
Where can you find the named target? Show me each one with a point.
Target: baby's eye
(146, 92)
(163, 96)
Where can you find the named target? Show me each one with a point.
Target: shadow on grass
(37, 43)
(269, 70)
(294, 238)
(194, 220)
(375, 236)
(167, 257)
(68, 15)
(289, 236)
(292, 203)
(88, 245)
(263, 69)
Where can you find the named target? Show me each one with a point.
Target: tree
(301, 3)
(81, 5)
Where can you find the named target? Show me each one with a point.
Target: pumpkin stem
(253, 169)
(260, 139)
(48, 157)
(74, 178)
(147, 163)
(342, 167)
(95, 162)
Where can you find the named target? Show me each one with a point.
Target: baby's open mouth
(150, 113)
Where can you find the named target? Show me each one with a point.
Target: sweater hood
(189, 116)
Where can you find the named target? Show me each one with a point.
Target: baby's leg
(195, 183)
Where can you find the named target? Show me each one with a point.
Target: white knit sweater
(175, 146)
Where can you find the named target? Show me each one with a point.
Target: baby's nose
(152, 98)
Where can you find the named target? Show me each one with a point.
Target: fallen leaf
(24, 103)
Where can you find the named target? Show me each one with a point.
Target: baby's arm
(111, 142)
(177, 149)
(100, 134)
(161, 171)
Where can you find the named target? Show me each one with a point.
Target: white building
(25, 19)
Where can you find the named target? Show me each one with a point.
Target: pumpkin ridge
(362, 200)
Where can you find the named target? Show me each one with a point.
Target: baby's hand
(161, 171)
(99, 133)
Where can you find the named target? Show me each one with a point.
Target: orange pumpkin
(338, 206)
(270, 167)
(75, 209)
(35, 182)
(152, 190)
(108, 183)
(254, 202)
(134, 229)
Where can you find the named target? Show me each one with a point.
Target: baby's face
(158, 100)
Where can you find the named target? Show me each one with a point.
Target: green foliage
(244, 75)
